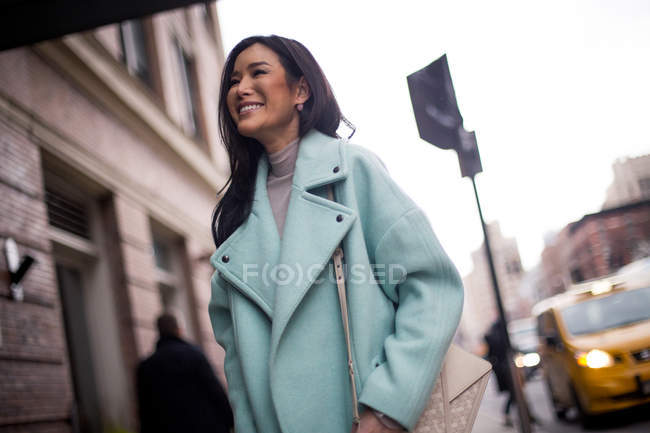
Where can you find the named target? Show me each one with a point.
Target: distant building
(109, 172)
(480, 309)
(529, 285)
(556, 274)
(631, 182)
(596, 245)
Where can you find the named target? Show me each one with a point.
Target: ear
(302, 91)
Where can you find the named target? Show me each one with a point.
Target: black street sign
(434, 105)
(468, 156)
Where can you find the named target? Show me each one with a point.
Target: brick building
(109, 171)
(596, 245)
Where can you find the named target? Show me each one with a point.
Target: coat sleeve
(222, 327)
(429, 299)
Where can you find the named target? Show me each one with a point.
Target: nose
(244, 87)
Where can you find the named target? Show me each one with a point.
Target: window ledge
(133, 100)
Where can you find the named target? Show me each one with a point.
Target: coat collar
(318, 157)
(311, 233)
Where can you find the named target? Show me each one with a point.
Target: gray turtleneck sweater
(278, 182)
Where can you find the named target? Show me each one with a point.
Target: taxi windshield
(612, 311)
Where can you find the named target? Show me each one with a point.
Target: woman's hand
(371, 424)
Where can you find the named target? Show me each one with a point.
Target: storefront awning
(24, 22)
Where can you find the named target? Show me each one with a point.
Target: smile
(248, 108)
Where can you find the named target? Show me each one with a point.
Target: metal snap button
(339, 218)
(336, 169)
(225, 259)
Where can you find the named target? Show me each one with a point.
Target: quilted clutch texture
(457, 395)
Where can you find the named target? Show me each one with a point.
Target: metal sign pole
(517, 388)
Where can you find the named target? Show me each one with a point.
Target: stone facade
(631, 182)
(109, 182)
(480, 309)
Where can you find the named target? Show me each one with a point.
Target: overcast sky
(556, 91)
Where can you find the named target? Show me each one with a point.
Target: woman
(274, 305)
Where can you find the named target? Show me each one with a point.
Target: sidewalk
(487, 422)
(490, 418)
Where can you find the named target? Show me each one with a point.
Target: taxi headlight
(527, 360)
(594, 359)
(531, 359)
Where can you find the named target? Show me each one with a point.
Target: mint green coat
(286, 361)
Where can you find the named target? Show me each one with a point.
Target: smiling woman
(288, 63)
(274, 305)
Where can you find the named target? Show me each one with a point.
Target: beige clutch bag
(457, 395)
(458, 392)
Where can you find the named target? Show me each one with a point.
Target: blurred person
(498, 357)
(286, 354)
(177, 389)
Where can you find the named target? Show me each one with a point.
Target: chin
(247, 130)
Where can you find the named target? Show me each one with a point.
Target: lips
(248, 107)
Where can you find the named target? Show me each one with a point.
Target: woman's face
(260, 101)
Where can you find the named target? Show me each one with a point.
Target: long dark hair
(320, 112)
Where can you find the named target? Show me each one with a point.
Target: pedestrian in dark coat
(498, 356)
(178, 391)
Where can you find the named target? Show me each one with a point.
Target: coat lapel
(314, 226)
(252, 249)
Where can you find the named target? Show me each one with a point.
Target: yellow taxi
(595, 343)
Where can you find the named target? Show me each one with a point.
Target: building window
(644, 186)
(513, 267)
(576, 275)
(189, 89)
(68, 209)
(67, 213)
(172, 276)
(134, 50)
(161, 253)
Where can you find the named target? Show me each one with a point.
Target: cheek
(281, 101)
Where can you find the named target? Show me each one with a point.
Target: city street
(489, 419)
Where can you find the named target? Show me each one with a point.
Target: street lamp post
(517, 388)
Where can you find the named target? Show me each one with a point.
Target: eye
(258, 72)
(233, 81)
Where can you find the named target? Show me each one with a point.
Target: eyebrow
(256, 64)
(252, 65)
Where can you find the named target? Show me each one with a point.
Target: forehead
(254, 54)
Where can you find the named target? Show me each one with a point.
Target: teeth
(247, 108)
